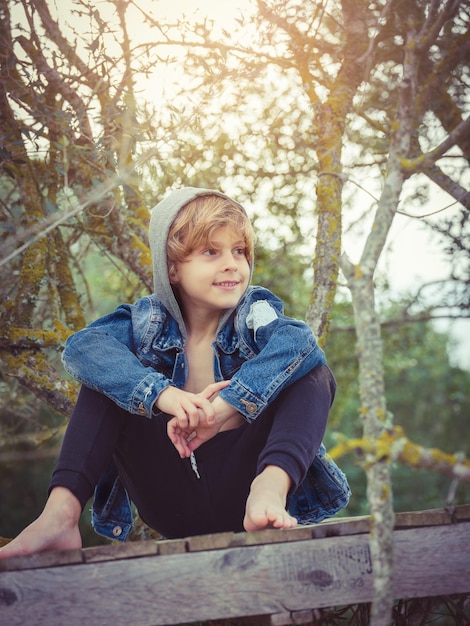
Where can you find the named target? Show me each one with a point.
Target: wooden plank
(409, 519)
(346, 526)
(271, 579)
(433, 517)
(172, 546)
(334, 527)
(209, 542)
(42, 559)
(272, 535)
(127, 551)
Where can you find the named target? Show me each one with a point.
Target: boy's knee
(323, 377)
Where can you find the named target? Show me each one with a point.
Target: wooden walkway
(282, 574)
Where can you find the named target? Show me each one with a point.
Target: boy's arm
(102, 358)
(285, 349)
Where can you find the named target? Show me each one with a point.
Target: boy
(203, 403)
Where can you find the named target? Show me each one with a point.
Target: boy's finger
(213, 388)
(206, 411)
(176, 435)
(181, 446)
(195, 413)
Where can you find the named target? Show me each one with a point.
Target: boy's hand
(208, 414)
(186, 440)
(189, 408)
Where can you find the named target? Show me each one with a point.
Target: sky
(218, 10)
(414, 259)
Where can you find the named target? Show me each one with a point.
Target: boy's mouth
(227, 283)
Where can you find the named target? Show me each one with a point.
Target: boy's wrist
(223, 410)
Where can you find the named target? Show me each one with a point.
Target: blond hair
(195, 223)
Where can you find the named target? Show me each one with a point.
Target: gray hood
(161, 218)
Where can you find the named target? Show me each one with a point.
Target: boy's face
(215, 277)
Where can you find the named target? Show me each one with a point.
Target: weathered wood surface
(277, 573)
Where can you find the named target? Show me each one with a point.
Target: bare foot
(55, 529)
(266, 503)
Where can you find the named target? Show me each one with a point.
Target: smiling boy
(203, 403)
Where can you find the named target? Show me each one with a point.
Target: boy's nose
(230, 263)
(231, 267)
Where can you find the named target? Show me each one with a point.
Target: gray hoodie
(161, 219)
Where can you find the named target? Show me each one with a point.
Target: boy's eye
(240, 251)
(209, 251)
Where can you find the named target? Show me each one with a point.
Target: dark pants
(174, 496)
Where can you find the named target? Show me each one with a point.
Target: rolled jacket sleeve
(285, 349)
(102, 357)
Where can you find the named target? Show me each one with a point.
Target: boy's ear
(172, 275)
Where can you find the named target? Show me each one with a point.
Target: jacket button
(250, 407)
(117, 531)
(141, 409)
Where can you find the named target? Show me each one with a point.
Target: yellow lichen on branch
(67, 291)
(19, 336)
(33, 371)
(143, 250)
(393, 445)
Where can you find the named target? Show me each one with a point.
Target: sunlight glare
(221, 12)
